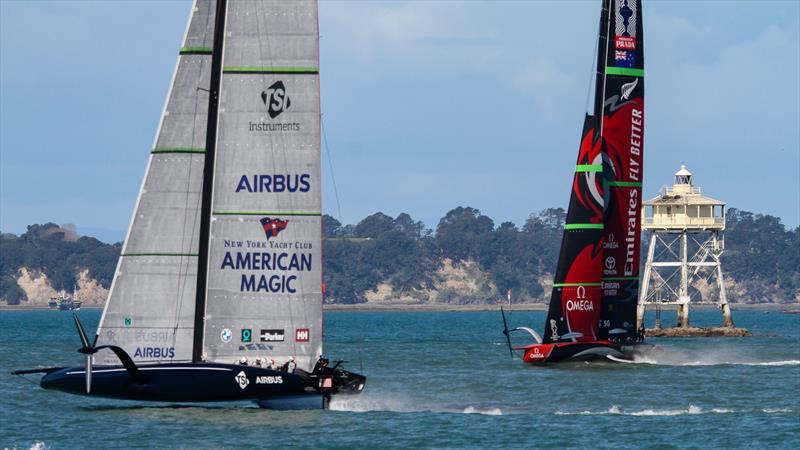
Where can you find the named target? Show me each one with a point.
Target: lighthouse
(686, 237)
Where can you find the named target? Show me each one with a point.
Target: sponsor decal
(272, 335)
(128, 321)
(302, 335)
(537, 354)
(273, 227)
(625, 18)
(625, 43)
(278, 262)
(610, 263)
(269, 380)
(110, 335)
(624, 58)
(609, 242)
(154, 336)
(247, 335)
(154, 352)
(226, 335)
(241, 379)
(579, 305)
(277, 101)
(554, 330)
(274, 183)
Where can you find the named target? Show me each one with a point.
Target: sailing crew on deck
(290, 365)
(270, 364)
(243, 361)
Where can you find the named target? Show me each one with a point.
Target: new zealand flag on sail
(273, 226)
(624, 58)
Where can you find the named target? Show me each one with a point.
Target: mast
(208, 180)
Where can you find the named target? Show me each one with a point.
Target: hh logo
(272, 227)
(301, 335)
(275, 99)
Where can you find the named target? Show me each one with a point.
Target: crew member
(290, 365)
(271, 364)
(243, 361)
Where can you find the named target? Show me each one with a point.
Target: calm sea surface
(441, 380)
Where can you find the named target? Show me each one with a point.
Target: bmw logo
(226, 335)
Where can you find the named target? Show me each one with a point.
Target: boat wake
(666, 361)
(364, 404)
(691, 410)
(714, 356)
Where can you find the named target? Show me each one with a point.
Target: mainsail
(596, 282)
(623, 147)
(263, 281)
(151, 306)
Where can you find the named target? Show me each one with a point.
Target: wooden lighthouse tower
(683, 259)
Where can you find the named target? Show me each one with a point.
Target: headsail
(623, 138)
(150, 309)
(264, 250)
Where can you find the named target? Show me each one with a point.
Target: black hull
(203, 382)
(583, 351)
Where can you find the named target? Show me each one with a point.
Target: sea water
(443, 380)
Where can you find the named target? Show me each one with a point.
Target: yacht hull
(581, 351)
(204, 382)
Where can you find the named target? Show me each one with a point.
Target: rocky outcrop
(37, 287)
(90, 292)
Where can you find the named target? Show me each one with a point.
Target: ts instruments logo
(272, 227)
(275, 99)
(241, 378)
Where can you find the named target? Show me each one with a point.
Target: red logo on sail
(625, 43)
(272, 227)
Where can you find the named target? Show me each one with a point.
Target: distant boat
(222, 264)
(592, 313)
(65, 302)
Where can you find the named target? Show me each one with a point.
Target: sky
(426, 105)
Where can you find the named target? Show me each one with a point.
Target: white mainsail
(151, 305)
(264, 275)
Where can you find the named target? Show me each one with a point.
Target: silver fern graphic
(628, 88)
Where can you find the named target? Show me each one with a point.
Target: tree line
(761, 255)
